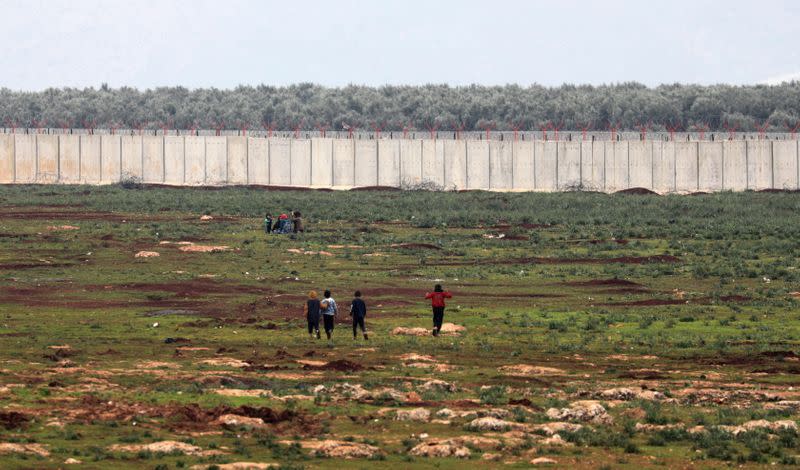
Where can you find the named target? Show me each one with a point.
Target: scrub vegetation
(593, 330)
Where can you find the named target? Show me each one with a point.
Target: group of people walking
(326, 309)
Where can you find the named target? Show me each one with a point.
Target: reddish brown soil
(49, 213)
(618, 241)
(342, 365)
(603, 283)
(505, 226)
(13, 420)
(656, 302)
(620, 259)
(415, 246)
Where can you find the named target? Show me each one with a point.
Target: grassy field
(598, 331)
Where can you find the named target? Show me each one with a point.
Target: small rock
(147, 254)
(416, 414)
(543, 461)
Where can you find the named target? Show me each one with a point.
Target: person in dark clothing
(437, 303)
(312, 310)
(268, 223)
(297, 223)
(329, 311)
(358, 310)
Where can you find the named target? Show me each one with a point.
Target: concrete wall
(366, 163)
(110, 159)
(69, 159)
(194, 149)
(152, 159)
(237, 161)
(45, 158)
(709, 171)
(569, 165)
(6, 158)
(322, 171)
(91, 162)
(500, 165)
(174, 160)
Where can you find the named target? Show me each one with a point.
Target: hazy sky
(225, 43)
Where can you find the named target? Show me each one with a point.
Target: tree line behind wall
(307, 106)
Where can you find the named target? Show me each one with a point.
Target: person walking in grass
(437, 302)
(329, 311)
(312, 309)
(358, 310)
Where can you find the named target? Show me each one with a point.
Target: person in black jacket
(312, 310)
(358, 310)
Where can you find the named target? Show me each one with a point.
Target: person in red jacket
(437, 302)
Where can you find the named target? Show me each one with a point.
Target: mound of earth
(637, 191)
(416, 414)
(625, 394)
(448, 329)
(236, 466)
(585, 411)
(343, 450)
(204, 248)
(164, 447)
(527, 370)
(494, 424)
(342, 365)
(25, 449)
(441, 449)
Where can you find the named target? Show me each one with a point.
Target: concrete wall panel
(69, 158)
(389, 163)
(237, 160)
(174, 155)
(686, 170)
(734, 165)
(569, 165)
(91, 161)
(322, 169)
(410, 162)
(617, 171)
(25, 165)
(759, 164)
(366, 166)
(6, 158)
(501, 164)
(131, 156)
(545, 165)
(195, 159)
(302, 163)
(110, 159)
(343, 163)
(47, 169)
(664, 167)
(640, 164)
(258, 160)
(455, 164)
(709, 166)
(593, 165)
(216, 160)
(433, 161)
(153, 159)
(478, 164)
(523, 165)
(784, 161)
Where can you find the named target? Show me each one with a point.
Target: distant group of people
(325, 309)
(284, 224)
